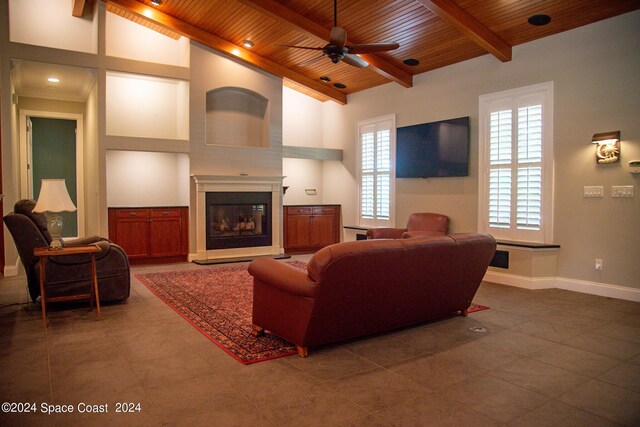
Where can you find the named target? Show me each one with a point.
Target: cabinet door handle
(301, 211)
(133, 213)
(165, 213)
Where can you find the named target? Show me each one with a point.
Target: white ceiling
(30, 80)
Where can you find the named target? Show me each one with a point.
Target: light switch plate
(622, 191)
(593, 191)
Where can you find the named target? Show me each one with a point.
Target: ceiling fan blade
(372, 47)
(355, 60)
(301, 47)
(338, 37)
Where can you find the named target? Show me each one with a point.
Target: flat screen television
(436, 149)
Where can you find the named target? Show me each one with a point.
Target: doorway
(51, 147)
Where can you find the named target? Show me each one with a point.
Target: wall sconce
(608, 149)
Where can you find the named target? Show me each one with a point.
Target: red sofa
(353, 289)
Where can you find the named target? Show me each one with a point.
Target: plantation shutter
(367, 175)
(529, 190)
(377, 165)
(383, 174)
(516, 148)
(500, 143)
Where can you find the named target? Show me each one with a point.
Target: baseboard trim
(11, 270)
(584, 286)
(532, 283)
(600, 289)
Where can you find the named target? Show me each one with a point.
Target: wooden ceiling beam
(78, 8)
(283, 14)
(450, 12)
(221, 45)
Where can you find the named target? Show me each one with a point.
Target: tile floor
(547, 358)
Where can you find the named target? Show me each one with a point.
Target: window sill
(527, 245)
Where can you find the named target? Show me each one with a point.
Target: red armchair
(418, 225)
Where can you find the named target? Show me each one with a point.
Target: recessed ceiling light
(156, 2)
(247, 43)
(236, 52)
(340, 85)
(53, 80)
(539, 20)
(325, 79)
(411, 62)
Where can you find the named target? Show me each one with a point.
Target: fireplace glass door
(236, 220)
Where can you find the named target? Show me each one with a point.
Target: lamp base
(54, 225)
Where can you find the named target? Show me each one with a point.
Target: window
(516, 164)
(376, 171)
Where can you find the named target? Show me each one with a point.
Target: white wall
(149, 107)
(210, 70)
(302, 174)
(302, 124)
(595, 70)
(126, 39)
(136, 178)
(50, 23)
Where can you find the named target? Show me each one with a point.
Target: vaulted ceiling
(436, 33)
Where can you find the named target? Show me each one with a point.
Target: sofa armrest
(385, 233)
(282, 276)
(90, 240)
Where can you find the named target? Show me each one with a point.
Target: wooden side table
(44, 252)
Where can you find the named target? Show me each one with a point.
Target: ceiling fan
(337, 49)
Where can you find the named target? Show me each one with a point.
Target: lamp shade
(54, 197)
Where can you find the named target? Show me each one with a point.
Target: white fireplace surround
(214, 183)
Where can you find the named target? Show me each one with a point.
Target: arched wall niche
(237, 117)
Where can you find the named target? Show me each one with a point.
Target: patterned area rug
(218, 302)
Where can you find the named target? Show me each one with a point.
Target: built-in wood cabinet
(308, 228)
(151, 235)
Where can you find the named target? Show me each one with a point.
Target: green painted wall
(54, 156)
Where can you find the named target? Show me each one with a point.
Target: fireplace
(237, 216)
(238, 219)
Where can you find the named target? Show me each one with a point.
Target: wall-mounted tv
(436, 149)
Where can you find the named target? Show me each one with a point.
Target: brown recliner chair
(418, 225)
(67, 274)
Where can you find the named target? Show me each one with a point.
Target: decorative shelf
(311, 153)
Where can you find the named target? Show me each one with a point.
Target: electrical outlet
(593, 191)
(622, 191)
(598, 264)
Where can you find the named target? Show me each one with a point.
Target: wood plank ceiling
(437, 33)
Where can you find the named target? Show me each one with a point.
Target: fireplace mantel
(239, 179)
(242, 183)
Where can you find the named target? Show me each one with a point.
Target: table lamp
(54, 198)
